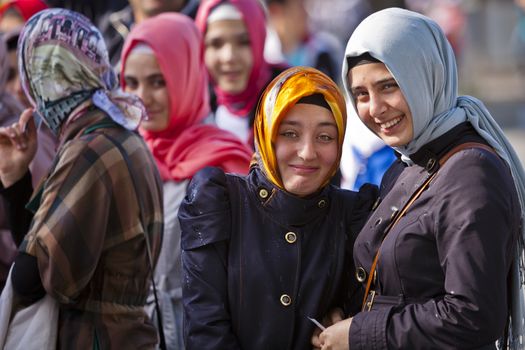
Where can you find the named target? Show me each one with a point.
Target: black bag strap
(125, 155)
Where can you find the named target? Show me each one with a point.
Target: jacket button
(286, 300)
(360, 274)
(290, 237)
(321, 203)
(263, 193)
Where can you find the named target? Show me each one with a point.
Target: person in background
(115, 26)
(263, 253)
(234, 33)
(167, 72)
(450, 16)
(342, 16)
(92, 9)
(10, 106)
(10, 110)
(438, 275)
(95, 214)
(300, 45)
(14, 13)
(13, 85)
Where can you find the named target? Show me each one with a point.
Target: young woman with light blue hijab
(444, 274)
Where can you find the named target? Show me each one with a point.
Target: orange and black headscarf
(278, 97)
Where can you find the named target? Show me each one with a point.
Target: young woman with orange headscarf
(264, 252)
(167, 72)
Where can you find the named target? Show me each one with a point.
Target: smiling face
(143, 77)
(306, 148)
(381, 104)
(228, 55)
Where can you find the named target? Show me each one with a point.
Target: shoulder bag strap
(412, 199)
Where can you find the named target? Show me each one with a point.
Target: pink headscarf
(186, 145)
(26, 8)
(254, 19)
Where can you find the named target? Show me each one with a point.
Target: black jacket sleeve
(25, 275)
(16, 197)
(26, 279)
(205, 222)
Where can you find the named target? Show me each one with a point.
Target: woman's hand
(333, 317)
(335, 337)
(18, 143)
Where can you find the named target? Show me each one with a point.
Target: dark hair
(315, 99)
(361, 59)
(269, 2)
(12, 41)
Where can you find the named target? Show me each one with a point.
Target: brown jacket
(89, 240)
(442, 272)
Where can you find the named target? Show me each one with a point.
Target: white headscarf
(417, 54)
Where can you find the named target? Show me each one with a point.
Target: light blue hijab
(419, 57)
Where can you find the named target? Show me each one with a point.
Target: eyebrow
(379, 82)
(239, 35)
(294, 123)
(151, 76)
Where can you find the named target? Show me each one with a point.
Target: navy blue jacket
(257, 261)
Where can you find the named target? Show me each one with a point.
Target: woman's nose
(307, 150)
(227, 52)
(377, 105)
(143, 94)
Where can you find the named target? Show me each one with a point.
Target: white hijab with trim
(419, 57)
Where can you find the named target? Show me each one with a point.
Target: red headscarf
(27, 8)
(254, 19)
(186, 145)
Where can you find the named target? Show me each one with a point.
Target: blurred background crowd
(488, 37)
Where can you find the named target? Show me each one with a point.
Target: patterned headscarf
(281, 95)
(63, 61)
(254, 18)
(26, 8)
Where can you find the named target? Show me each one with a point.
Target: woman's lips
(303, 169)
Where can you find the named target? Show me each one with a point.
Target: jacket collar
(76, 128)
(284, 207)
(428, 156)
